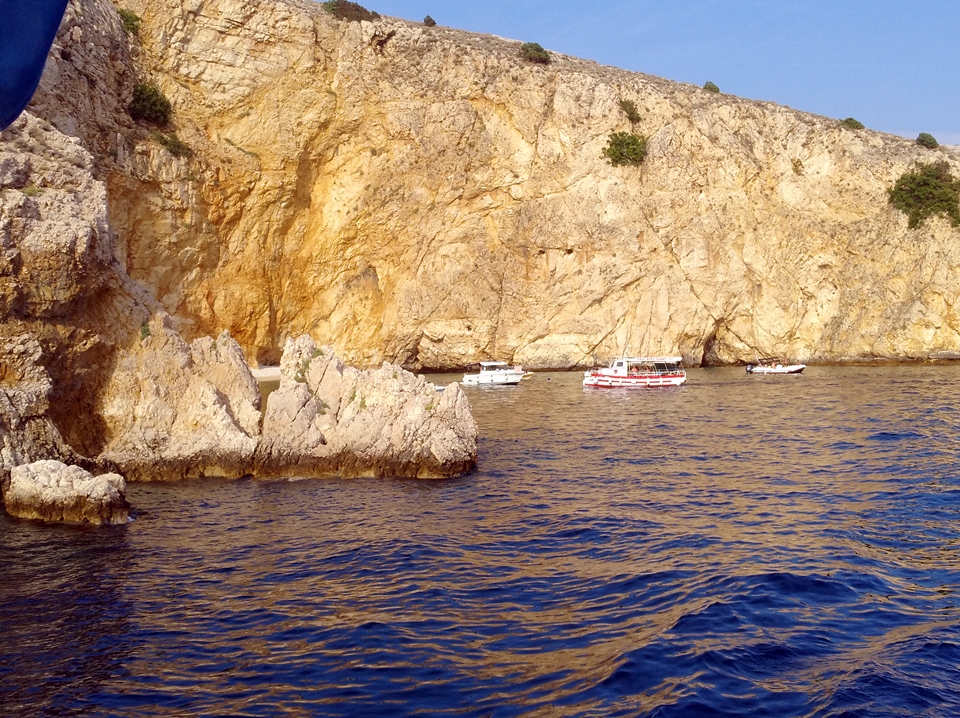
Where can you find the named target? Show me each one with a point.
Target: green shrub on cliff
(429, 21)
(928, 190)
(131, 21)
(925, 139)
(710, 86)
(149, 104)
(346, 10)
(852, 124)
(625, 148)
(175, 146)
(534, 52)
(629, 108)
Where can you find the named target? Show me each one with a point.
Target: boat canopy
(659, 365)
(493, 365)
(649, 360)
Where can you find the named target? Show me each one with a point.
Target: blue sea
(738, 546)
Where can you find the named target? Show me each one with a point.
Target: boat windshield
(664, 367)
(493, 366)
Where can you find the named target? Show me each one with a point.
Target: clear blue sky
(893, 65)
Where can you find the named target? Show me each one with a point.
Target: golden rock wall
(424, 196)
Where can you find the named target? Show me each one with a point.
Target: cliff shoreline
(415, 197)
(424, 196)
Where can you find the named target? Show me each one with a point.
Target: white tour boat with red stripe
(637, 371)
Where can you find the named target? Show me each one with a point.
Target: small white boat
(774, 365)
(496, 372)
(637, 372)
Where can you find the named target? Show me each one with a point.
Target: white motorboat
(637, 372)
(496, 372)
(774, 365)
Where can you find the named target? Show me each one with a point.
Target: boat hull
(791, 369)
(498, 378)
(597, 380)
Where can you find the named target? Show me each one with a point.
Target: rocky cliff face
(66, 305)
(423, 195)
(90, 366)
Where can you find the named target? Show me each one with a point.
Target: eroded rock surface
(176, 410)
(51, 491)
(93, 371)
(55, 242)
(328, 418)
(27, 433)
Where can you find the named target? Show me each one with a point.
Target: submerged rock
(52, 491)
(328, 418)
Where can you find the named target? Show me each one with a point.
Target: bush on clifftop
(429, 21)
(625, 148)
(928, 190)
(710, 86)
(346, 10)
(925, 139)
(852, 124)
(149, 104)
(534, 52)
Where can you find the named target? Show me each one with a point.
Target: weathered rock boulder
(175, 410)
(327, 418)
(52, 491)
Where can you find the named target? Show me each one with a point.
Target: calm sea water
(739, 546)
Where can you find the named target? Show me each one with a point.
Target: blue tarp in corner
(27, 30)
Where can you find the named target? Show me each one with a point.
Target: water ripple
(731, 547)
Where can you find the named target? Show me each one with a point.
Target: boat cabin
(494, 366)
(635, 366)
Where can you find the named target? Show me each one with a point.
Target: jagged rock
(327, 418)
(55, 243)
(27, 432)
(52, 491)
(78, 358)
(177, 410)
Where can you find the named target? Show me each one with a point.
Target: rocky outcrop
(54, 492)
(423, 196)
(328, 418)
(26, 430)
(93, 371)
(175, 410)
(55, 241)
(62, 297)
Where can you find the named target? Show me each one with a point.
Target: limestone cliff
(423, 195)
(65, 303)
(93, 374)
